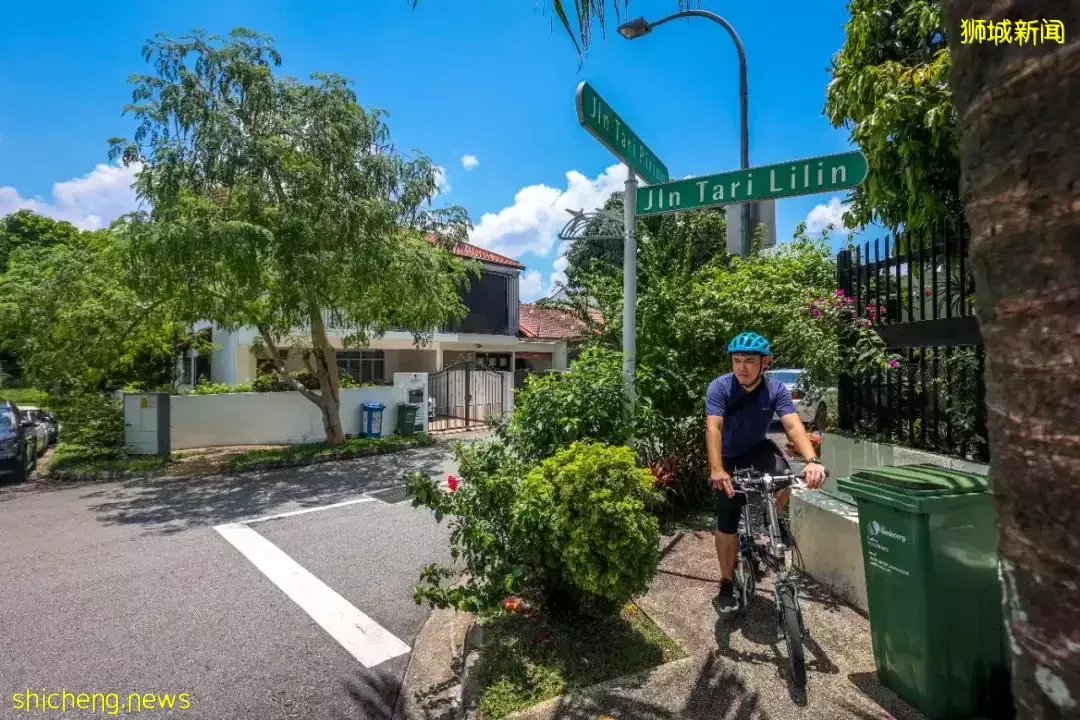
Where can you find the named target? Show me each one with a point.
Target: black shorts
(765, 457)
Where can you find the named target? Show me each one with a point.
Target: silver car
(813, 416)
(39, 429)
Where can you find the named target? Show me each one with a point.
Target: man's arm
(714, 431)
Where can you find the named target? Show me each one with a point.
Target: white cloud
(824, 215)
(442, 182)
(469, 161)
(530, 284)
(89, 202)
(532, 223)
(558, 278)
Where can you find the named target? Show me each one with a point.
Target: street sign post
(789, 179)
(598, 118)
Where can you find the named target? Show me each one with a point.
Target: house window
(494, 361)
(365, 366)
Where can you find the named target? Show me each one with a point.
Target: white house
(491, 333)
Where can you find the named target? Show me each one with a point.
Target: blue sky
(490, 79)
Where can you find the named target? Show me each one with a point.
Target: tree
(68, 309)
(890, 87)
(1019, 140)
(283, 205)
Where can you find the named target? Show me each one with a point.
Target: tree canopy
(69, 312)
(283, 205)
(890, 88)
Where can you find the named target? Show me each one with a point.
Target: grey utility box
(146, 423)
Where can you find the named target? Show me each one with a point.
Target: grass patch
(526, 660)
(321, 452)
(78, 459)
(25, 396)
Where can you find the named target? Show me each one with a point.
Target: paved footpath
(283, 594)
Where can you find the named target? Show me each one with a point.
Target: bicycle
(763, 551)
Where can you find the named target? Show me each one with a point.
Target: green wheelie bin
(929, 546)
(406, 418)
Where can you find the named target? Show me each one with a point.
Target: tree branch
(279, 365)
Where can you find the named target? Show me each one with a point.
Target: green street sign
(788, 179)
(598, 118)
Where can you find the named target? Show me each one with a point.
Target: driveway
(267, 595)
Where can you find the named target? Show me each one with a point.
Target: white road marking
(362, 637)
(308, 510)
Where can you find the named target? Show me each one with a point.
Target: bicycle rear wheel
(792, 628)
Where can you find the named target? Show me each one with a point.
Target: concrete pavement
(128, 587)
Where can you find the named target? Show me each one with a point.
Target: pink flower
(840, 293)
(814, 312)
(928, 292)
(865, 323)
(452, 482)
(893, 363)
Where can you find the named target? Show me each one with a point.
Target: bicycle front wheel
(789, 623)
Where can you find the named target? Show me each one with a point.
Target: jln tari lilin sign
(788, 179)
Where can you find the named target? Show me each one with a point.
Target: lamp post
(640, 26)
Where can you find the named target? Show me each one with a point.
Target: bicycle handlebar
(754, 479)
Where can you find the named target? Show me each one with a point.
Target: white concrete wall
(843, 456)
(269, 418)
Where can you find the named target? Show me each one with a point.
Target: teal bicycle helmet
(749, 342)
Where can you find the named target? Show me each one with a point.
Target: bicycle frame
(773, 555)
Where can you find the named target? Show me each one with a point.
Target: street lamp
(640, 26)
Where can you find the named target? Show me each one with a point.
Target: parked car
(49, 432)
(18, 442)
(813, 416)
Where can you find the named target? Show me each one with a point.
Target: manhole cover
(390, 496)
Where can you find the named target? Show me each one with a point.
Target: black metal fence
(920, 300)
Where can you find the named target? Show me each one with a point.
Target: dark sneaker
(725, 600)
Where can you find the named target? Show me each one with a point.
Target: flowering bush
(575, 533)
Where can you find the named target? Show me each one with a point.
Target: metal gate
(463, 395)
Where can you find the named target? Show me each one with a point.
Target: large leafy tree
(890, 89)
(282, 205)
(69, 311)
(1017, 106)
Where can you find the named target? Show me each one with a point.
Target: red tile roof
(550, 323)
(476, 252)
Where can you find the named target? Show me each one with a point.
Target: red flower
(452, 482)
(512, 604)
(928, 292)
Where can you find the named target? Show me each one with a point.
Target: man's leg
(726, 540)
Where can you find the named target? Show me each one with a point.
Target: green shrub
(596, 508)
(94, 422)
(208, 388)
(273, 382)
(575, 533)
(583, 403)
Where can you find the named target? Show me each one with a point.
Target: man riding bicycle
(739, 407)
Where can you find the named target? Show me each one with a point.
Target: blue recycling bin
(372, 420)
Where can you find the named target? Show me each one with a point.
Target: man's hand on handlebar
(814, 475)
(722, 481)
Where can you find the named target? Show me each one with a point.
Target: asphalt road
(131, 587)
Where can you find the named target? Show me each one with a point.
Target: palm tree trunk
(1018, 108)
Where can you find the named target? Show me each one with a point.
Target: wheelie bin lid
(918, 480)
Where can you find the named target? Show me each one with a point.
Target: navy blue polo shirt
(746, 428)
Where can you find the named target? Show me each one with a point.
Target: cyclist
(739, 407)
